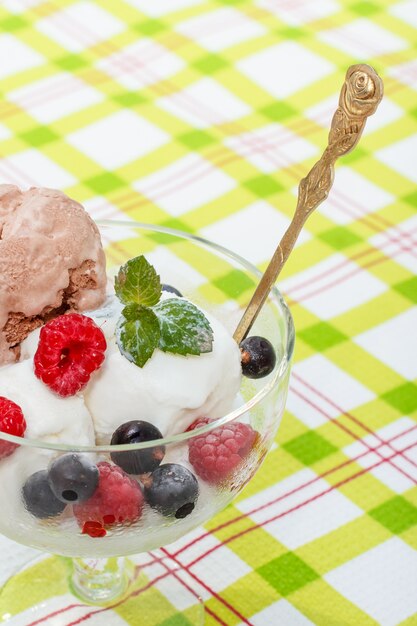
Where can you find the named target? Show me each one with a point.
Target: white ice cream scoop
(170, 391)
(48, 417)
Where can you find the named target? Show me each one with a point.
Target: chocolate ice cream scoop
(51, 261)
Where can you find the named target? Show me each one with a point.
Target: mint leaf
(184, 328)
(138, 333)
(137, 281)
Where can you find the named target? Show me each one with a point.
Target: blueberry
(171, 289)
(172, 490)
(39, 498)
(73, 478)
(137, 461)
(258, 357)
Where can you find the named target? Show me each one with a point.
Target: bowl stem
(97, 581)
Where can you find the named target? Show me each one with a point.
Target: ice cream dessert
(51, 261)
(132, 363)
(170, 390)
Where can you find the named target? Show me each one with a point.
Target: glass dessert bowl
(153, 478)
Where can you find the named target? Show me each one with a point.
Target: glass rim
(280, 371)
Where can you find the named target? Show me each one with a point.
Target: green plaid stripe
(203, 116)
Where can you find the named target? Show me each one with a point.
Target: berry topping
(39, 498)
(73, 478)
(172, 490)
(217, 454)
(94, 529)
(137, 461)
(118, 499)
(71, 347)
(258, 357)
(171, 289)
(12, 422)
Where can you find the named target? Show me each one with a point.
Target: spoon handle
(361, 93)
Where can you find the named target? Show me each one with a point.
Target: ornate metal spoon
(361, 93)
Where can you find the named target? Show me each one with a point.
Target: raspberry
(12, 422)
(94, 529)
(217, 454)
(118, 499)
(71, 347)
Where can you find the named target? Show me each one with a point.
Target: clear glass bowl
(220, 282)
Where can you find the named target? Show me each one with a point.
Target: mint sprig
(174, 325)
(137, 281)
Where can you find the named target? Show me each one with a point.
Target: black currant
(258, 357)
(73, 478)
(137, 461)
(39, 498)
(171, 289)
(171, 490)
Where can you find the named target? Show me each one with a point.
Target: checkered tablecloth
(203, 116)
